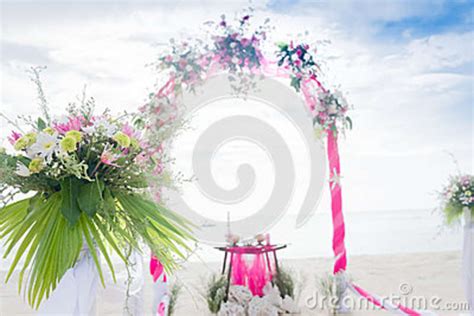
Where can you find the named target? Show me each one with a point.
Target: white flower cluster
(242, 303)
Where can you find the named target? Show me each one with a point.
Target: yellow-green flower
(31, 137)
(25, 141)
(75, 134)
(2, 150)
(68, 144)
(134, 143)
(122, 139)
(36, 165)
(21, 143)
(49, 130)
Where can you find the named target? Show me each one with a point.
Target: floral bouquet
(86, 178)
(457, 196)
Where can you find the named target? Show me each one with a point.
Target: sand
(434, 276)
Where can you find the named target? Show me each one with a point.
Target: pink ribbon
(161, 309)
(338, 245)
(383, 303)
(156, 269)
(167, 89)
(239, 270)
(257, 276)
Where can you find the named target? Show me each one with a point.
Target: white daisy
(45, 146)
(103, 126)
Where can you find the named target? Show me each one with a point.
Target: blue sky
(407, 66)
(435, 16)
(454, 16)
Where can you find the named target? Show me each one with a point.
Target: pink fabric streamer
(161, 309)
(383, 303)
(156, 269)
(167, 89)
(257, 276)
(239, 270)
(338, 245)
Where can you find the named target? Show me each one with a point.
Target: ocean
(367, 233)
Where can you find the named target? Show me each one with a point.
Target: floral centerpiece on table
(457, 196)
(86, 177)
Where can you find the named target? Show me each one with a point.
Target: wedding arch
(238, 50)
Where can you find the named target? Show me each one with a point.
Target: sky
(406, 66)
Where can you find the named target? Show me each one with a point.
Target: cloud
(412, 96)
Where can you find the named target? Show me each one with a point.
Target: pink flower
(299, 52)
(158, 169)
(182, 63)
(14, 137)
(108, 158)
(129, 131)
(322, 115)
(73, 123)
(143, 108)
(141, 159)
(169, 58)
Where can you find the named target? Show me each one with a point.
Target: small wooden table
(248, 250)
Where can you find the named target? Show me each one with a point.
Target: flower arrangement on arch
(329, 108)
(238, 48)
(86, 177)
(457, 196)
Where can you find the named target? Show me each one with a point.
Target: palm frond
(50, 245)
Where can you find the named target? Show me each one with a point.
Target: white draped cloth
(468, 262)
(76, 293)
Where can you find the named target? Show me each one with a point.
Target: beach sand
(434, 276)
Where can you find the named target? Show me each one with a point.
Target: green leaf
(98, 241)
(349, 122)
(40, 124)
(90, 196)
(296, 83)
(282, 45)
(69, 207)
(35, 201)
(109, 202)
(92, 248)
